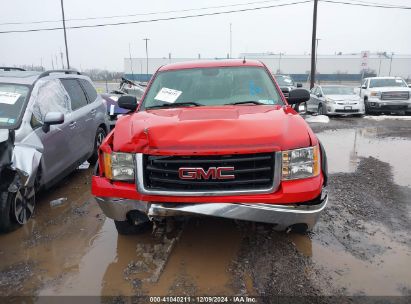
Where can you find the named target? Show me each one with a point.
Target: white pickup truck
(385, 95)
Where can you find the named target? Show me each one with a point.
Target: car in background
(335, 100)
(50, 123)
(111, 99)
(286, 84)
(385, 95)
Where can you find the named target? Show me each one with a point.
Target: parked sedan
(50, 123)
(335, 100)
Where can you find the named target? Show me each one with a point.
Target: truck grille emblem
(200, 173)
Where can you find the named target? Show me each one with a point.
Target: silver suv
(50, 123)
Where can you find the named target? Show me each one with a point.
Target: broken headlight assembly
(119, 166)
(301, 163)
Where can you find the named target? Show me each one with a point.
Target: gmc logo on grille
(200, 173)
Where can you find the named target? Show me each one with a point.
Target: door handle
(73, 124)
(93, 112)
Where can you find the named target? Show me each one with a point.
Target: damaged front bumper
(282, 216)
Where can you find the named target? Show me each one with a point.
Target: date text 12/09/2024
(203, 299)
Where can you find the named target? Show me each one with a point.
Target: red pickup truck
(213, 138)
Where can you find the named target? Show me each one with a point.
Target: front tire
(136, 223)
(16, 208)
(321, 110)
(126, 228)
(100, 135)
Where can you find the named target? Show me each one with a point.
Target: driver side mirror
(364, 87)
(319, 95)
(297, 96)
(128, 102)
(52, 118)
(299, 85)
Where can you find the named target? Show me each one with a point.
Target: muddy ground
(361, 245)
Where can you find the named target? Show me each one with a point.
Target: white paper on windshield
(168, 95)
(111, 109)
(8, 97)
(398, 80)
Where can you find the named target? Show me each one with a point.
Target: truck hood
(390, 89)
(212, 130)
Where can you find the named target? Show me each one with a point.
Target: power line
(156, 20)
(141, 14)
(365, 4)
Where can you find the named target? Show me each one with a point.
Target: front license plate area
(347, 108)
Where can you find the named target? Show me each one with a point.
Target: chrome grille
(254, 173)
(395, 95)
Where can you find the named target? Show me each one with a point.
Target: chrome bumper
(283, 216)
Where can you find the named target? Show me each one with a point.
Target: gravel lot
(361, 246)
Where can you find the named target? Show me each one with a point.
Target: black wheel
(100, 135)
(136, 223)
(16, 208)
(367, 108)
(321, 110)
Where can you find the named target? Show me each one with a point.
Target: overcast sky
(283, 29)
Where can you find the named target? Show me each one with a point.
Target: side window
(77, 96)
(50, 97)
(90, 90)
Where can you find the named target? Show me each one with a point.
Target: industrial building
(337, 67)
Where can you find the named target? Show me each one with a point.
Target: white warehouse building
(339, 67)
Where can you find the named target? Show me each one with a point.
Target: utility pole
(316, 54)
(279, 63)
(131, 61)
(392, 55)
(313, 43)
(62, 62)
(146, 39)
(65, 35)
(379, 65)
(231, 41)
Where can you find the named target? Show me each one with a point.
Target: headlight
(375, 94)
(329, 100)
(300, 163)
(119, 166)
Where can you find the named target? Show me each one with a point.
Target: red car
(213, 138)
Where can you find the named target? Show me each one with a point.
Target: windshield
(388, 82)
(284, 81)
(12, 99)
(338, 91)
(212, 87)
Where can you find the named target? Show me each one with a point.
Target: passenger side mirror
(52, 118)
(297, 96)
(299, 85)
(319, 95)
(128, 102)
(364, 87)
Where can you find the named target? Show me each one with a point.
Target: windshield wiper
(174, 105)
(245, 102)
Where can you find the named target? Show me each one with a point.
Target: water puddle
(383, 273)
(345, 148)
